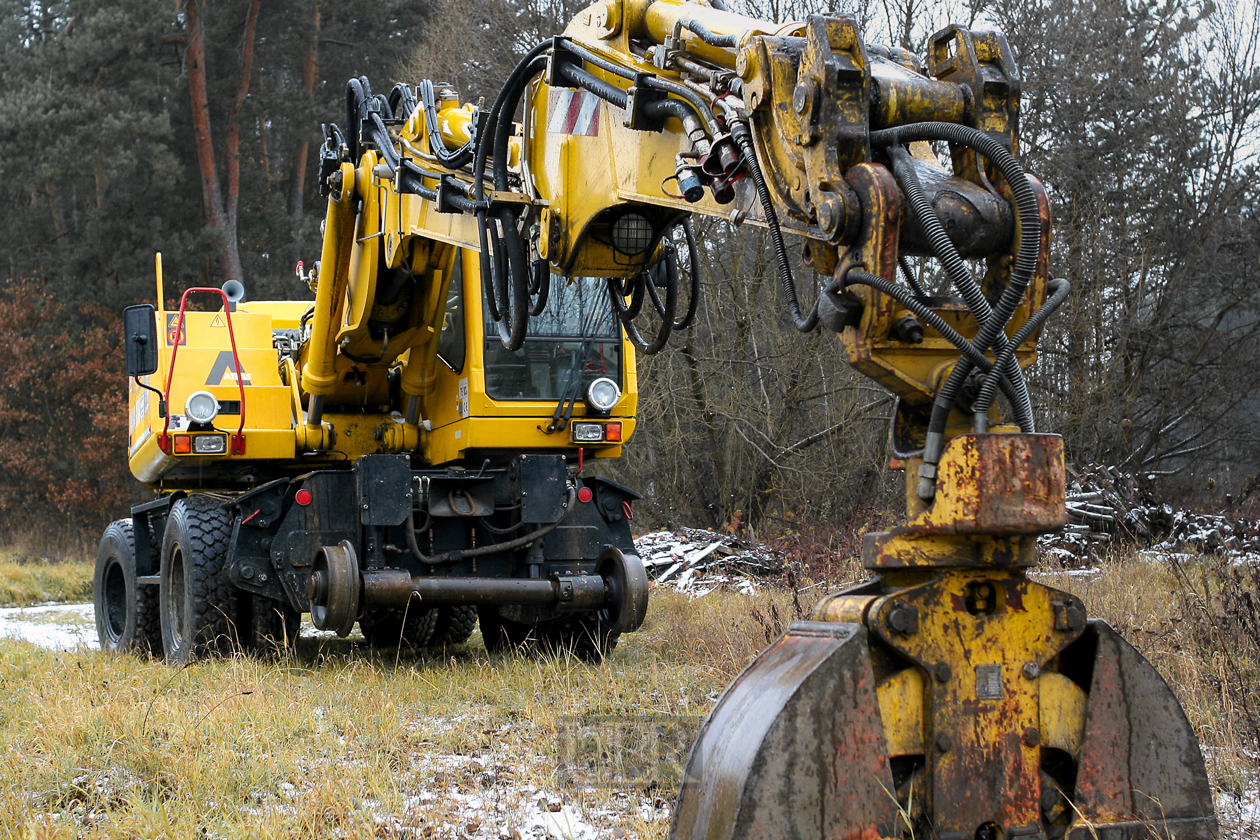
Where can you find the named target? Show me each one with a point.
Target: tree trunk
(221, 211)
(309, 73)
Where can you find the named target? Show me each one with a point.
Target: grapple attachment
(951, 700)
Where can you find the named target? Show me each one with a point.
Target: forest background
(192, 128)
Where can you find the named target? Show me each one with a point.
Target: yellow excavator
(408, 451)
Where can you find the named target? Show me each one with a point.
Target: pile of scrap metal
(696, 562)
(1106, 504)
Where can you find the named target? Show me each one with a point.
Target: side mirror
(140, 340)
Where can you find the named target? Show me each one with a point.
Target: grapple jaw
(951, 697)
(795, 747)
(803, 746)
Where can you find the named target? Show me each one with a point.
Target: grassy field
(338, 741)
(27, 580)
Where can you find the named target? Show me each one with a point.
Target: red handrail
(238, 439)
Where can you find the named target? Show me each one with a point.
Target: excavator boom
(488, 276)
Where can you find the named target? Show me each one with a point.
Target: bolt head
(315, 587)
(826, 215)
(1032, 670)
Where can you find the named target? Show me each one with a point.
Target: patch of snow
(1239, 815)
(53, 626)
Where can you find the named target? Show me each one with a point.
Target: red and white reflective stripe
(572, 111)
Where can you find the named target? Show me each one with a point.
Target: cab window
(576, 339)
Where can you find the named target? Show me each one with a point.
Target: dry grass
(35, 579)
(337, 741)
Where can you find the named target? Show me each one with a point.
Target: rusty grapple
(951, 697)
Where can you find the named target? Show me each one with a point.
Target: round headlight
(602, 395)
(632, 234)
(202, 407)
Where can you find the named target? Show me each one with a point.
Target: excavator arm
(950, 696)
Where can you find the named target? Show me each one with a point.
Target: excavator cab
(570, 385)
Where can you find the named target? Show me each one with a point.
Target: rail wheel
(334, 587)
(627, 584)
(410, 628)
(127, 617)
(454, 626)
(198, 604)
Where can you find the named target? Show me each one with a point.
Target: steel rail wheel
(627, 584)
(334, 588)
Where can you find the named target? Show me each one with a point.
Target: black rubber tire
(127, 616)
(454, 625)
(198, 602)
(502, 635)
(392, 629)
(271, 627)
(583, 636)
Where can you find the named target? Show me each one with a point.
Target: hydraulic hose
(650, 81)
(587, 81)
(690, 112)
(357, 91)
(1060, 290)
(512, 322)
(908, 273)
(455, 556)
(944, 250)
(693, 255)
(668, 264)
(402, 101)
(515, 282)
(591, 58)
(804, 323)
(525, 66)
(540, 284)
(684, 92)
(707, 35)
(667, 322)
(449, 158)
(635, 291)
(1021, 277)
(679, 110)
(644, 281)
(924, 312)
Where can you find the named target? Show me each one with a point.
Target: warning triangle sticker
(218, 321)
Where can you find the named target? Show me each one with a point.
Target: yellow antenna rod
(157, 258)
